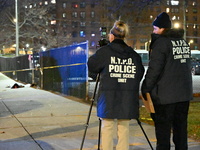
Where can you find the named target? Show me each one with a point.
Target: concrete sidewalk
(34, 119)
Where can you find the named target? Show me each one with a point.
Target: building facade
(80, 20)
(74, 21)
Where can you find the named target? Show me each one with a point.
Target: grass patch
(193, 120)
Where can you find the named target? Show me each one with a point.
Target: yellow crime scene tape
(42, 68)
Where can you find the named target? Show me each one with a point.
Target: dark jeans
(171, 117)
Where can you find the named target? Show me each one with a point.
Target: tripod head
(102, 42)
(103, 32)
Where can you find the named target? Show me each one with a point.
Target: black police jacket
(121, 71)
(168, 77)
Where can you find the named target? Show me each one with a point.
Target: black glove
(143, 90)
(93, 75)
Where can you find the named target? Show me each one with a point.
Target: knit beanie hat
(162, 21)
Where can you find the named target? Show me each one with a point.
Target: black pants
(171, 117)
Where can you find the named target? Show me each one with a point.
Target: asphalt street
(35, 119)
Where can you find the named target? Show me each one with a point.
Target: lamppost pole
(17, 28)
(184, 19)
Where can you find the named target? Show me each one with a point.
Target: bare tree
(35, 26)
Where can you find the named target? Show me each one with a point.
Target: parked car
(195, 61)
(195, 67)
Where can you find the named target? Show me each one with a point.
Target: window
(194, 18)
(64, 5)
(82, 24)
(82, 5)
(92, 4)
(167, 10)
(74, 24)
(92, 43)
(82, 33)
(64, 24)
(74, 14)
(143, 40)
(195, 33)
(82, 14)
(65, 33)
(174, 2)
(168, 3)
(46, 2)
(174, 10)
(74, 34)
(92, 14)
(194, 3)
(53, 1)
(93, 34)
(53, 22)
(74, 5)
(195, 26)
(92, 24)
(196, 41)
(186, 18)
(194, 10)
(64, 15)
(157, 2)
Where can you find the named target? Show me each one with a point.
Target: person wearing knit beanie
(162, 21)
(168, 79)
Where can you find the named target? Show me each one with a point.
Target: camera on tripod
(103, 32)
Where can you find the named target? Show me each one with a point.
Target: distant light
(167, 10)
(174, 18)
(191, 41)
(53, 21)
(27, 45)
(177, 25)
(175, 2)
(92, 34)
(46, 3)
(43, 48)
(82, 34)
(53, 1)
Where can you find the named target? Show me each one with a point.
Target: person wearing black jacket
(169, 82)
(121, 71)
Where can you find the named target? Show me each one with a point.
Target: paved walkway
(34, 119)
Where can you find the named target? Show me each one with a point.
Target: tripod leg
(87, 124)
(90, 110)
(99, 138)
(139, 123)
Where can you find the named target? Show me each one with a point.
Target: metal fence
(62, 70)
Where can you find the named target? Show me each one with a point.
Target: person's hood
(171, 33)
(175, 33)
(121, 48)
